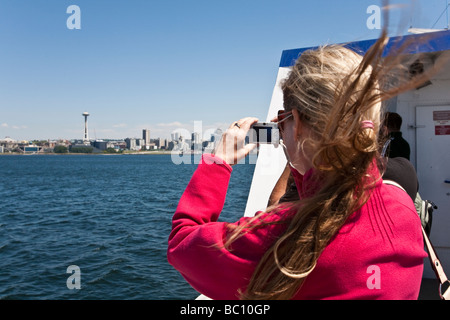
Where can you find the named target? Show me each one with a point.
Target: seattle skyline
(164, 66)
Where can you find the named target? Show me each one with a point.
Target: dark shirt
(398, 147)
(403, 172)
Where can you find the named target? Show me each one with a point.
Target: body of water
(108, 215)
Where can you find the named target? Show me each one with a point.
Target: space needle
(86, 134)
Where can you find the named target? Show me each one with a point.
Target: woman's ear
(298, 126)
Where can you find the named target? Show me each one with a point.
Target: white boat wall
(426, 126)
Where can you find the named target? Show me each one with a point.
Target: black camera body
(264, 133)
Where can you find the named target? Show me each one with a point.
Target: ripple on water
(111, 216)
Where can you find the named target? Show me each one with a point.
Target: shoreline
(88, 154)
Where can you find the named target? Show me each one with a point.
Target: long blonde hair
(335, 90)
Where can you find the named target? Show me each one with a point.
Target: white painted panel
(271, 161)
(433, 171)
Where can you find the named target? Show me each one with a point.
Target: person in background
(339, 240)
(398, 146)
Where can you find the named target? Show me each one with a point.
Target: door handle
(416, 126)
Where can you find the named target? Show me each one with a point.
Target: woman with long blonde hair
(349, 236)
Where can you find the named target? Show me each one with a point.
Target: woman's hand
(232, 147)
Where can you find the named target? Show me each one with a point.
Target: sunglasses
(281, 117)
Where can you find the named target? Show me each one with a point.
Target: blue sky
(162, 65)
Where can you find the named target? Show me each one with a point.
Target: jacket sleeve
(196, 243)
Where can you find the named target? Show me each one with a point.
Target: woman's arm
(196, 243)
(280, 187)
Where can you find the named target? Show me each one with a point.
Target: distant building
(141, 144)
(171, 145)
(100, 144)
(182, 146)
(196, 138)
(175, 136)
(119, 145)
(130, 143)
(161, 143)
(31, 149)
(146, 137)
(196, 142)
(9, 145)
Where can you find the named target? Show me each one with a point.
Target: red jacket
(377, 254)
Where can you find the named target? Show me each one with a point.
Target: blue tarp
(419, 43)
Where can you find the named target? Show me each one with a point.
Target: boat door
(433, 171)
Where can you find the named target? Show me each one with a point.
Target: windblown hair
(334, 89)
